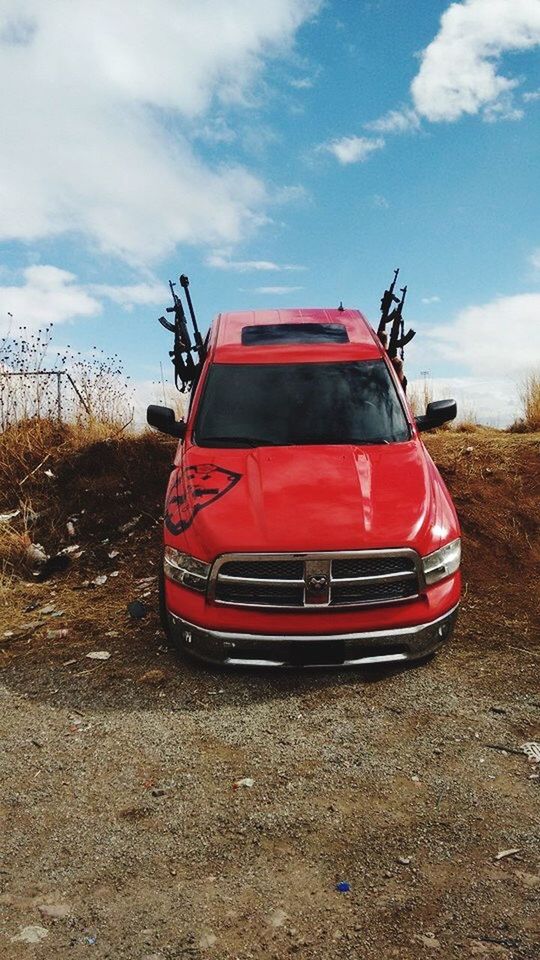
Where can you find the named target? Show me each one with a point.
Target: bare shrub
(419, 394)
(38, 383)
(530, 402)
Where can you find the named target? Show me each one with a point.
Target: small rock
(428, 940)
(56, 911)
(100, 580)
(98, 655)
(36, 553)
(137, 610)
(70, 527)
(278, 918)
(244, 782)
(404, 860)
(207, 940)
(31, 934)
(113, 554)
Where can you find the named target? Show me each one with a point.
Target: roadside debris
(503, 748)
(343, 886)
(32, 934)
(130, 525)
(98, 655)
(6, 517)
(100, 580)
(70, 527)
(244, 782)
(137, 610)
(55, 564)
(532, 749)
(112, 554)
(502, 854)
(36, 553)
(57, 634)
(48, 473)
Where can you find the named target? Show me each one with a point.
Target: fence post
(59, 395)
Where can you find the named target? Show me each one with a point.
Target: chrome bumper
(341, 650)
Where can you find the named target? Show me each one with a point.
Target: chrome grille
(316, 579)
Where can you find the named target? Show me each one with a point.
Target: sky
(291, 153)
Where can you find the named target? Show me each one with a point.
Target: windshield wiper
(364, 442)
(242, 441)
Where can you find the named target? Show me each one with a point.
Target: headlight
(186, 570)
(442, 562)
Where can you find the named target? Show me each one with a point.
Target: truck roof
(295, 335)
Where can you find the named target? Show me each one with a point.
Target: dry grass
(530, 403)
(50, 471)
(419, 394)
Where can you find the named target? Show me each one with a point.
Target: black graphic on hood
(195, 488)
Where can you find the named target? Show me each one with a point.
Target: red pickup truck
(305, 522)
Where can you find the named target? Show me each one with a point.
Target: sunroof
(294, 333)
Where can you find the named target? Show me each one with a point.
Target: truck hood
(312, 498)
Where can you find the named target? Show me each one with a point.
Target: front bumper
(394, 645)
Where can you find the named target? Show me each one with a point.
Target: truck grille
(316, 580)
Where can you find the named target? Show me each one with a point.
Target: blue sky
(292, 155)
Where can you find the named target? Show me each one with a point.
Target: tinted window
(300, 403)
(294, 333)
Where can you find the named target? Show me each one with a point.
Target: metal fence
(51, 394)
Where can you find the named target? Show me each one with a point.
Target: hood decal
(193, 489)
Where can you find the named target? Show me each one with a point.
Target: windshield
(299, 403)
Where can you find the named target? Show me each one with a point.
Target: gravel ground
(123, 835)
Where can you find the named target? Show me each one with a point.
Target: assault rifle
(398, 338)
(387, 300)
(187, 357)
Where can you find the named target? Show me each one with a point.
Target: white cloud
(132, 294)
(487, 400)
(459, 69)
(395, 121)
(496, 339)
(534, 259)
(302, 83)
(92, 126)
(531, 96)
(224, 262)
(276, 291)
(48, 295)
(433, 299)
(353, 149)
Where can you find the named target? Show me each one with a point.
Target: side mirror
(437, 413)
(163, 419)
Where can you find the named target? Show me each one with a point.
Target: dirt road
(118, 806)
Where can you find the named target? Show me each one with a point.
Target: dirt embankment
(121, 832)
